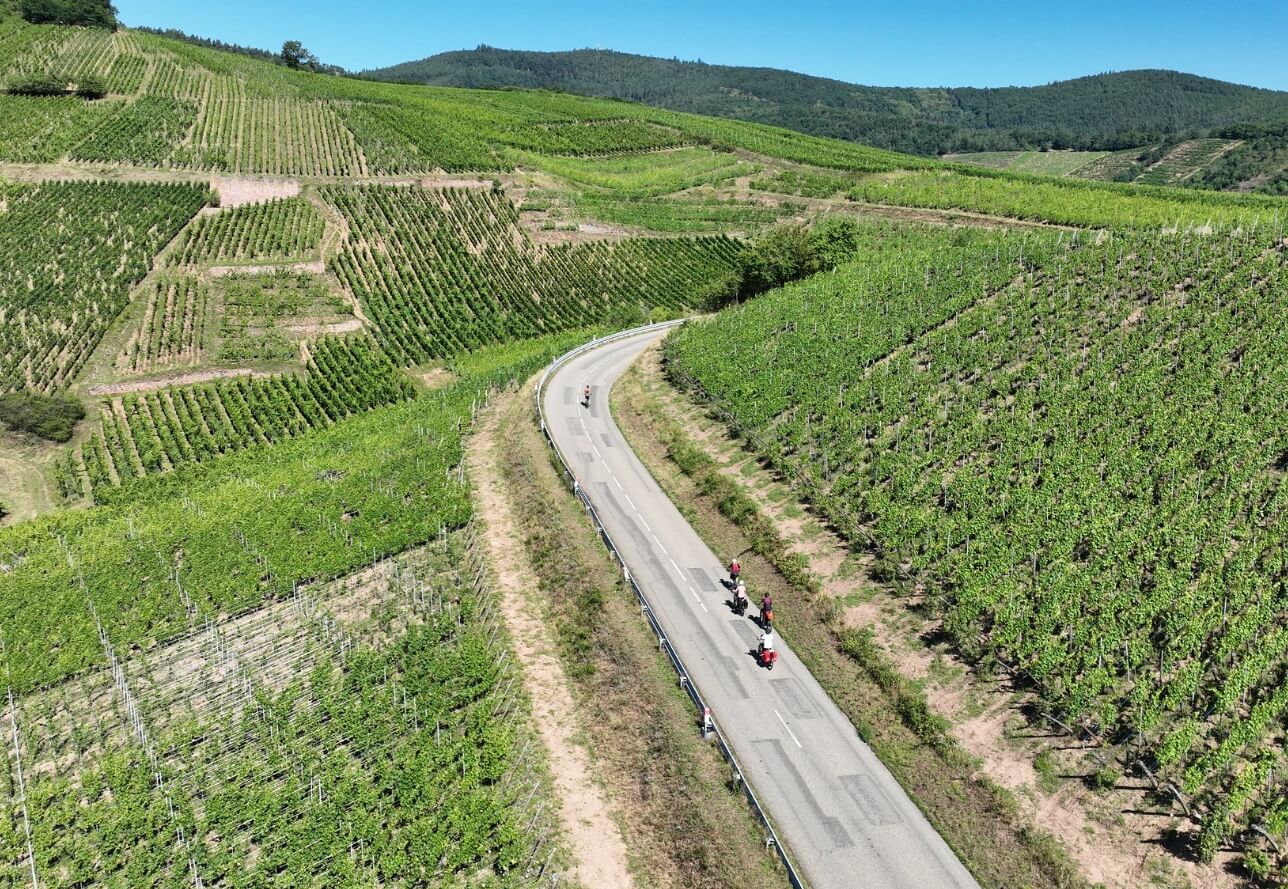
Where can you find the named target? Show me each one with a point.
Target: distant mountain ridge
(1099, 112)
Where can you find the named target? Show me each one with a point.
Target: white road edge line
(789, 731)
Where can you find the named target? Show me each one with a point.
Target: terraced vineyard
(1184, 161)
(160, 431)
(274, 231)
(69, 254)
(1067, 201)
(174, 327)
(1042, 163)
(1081, 467)
(412, 259)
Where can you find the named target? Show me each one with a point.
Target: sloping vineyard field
(42, 130)
(443, 271)
(279, 230)
(1083, 468)
(237, 530)
(143, 132)
(1184, 161)
(194, 701)
(1068, 201)
(268, 318)
(69, 254)
(357, 732)
(645, 175)
(1041, 163)
(173, 329)
(156, 432)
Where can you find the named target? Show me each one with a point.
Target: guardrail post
(709, 728)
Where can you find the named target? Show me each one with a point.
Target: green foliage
(1081, 473)
(453, 271)
(278, 230)
(1106, 111)
(1105, 778)
(93, 13)
(791, 252)
(38, 85)
(91, 86)
(69, 254)
(1048, 772)
(53, 417)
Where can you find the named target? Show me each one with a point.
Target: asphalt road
(844, 818)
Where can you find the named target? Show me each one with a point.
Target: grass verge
(979, 820)
(684, 822)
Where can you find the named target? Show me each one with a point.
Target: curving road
(845, 818)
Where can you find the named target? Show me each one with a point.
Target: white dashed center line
(789, 731)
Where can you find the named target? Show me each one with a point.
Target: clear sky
(889, 43)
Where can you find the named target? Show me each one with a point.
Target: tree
(91, 86)
(38, 85)
(294, 55)
(51, 417)
(93, 13)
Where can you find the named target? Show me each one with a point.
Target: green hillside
(1105, 111)
(244, 614)
(1072, 454)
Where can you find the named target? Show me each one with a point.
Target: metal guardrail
(646, 609)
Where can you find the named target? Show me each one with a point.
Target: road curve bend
(846, 820)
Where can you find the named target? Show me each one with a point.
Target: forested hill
(1105, 111)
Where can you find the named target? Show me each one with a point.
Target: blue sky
(901, 43)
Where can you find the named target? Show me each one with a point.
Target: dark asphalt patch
(870, 800)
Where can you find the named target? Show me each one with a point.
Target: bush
(38, 85)
(91, 87)
(1258, 864)
(785, 254)
(1105, 779)
(94, 13)
(50, 417)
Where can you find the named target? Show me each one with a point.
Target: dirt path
(25, 487)
(584, 811)
(1118, 838)
(203, 376)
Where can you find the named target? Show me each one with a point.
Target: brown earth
(235, 191)
(1119, 839)
(585, 813)
(187, 379)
